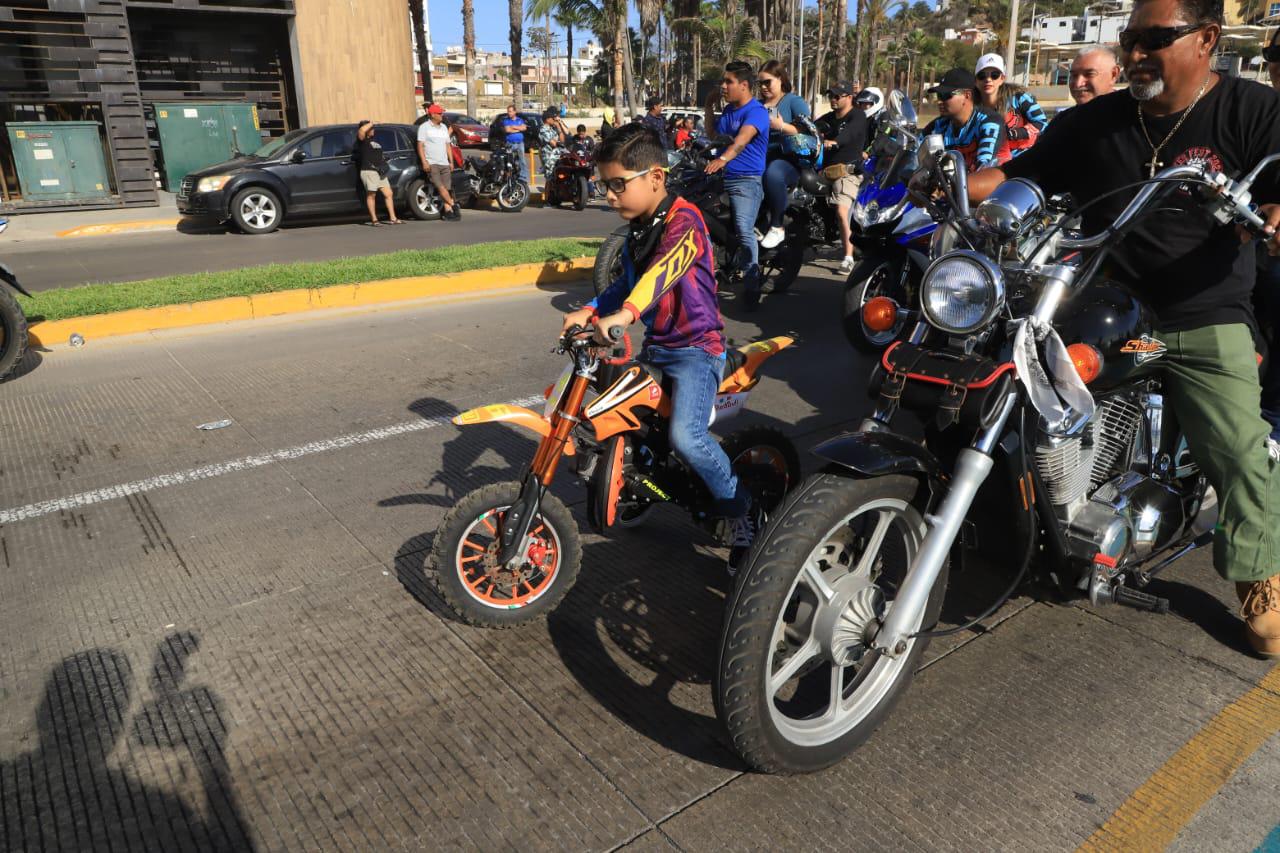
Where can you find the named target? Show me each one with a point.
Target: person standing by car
(786, 112)
(372, 164)
(844, 132)
(514, 127)
(747, 121)
(1023, 118)
(433, 153)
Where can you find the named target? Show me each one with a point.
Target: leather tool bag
(963, 389)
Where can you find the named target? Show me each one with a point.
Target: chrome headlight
(1011, 208)
(961, 292)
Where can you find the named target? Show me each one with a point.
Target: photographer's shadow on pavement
(76, 790)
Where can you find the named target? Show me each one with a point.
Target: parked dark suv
(309, 172)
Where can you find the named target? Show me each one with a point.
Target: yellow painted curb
(298, 301)
(116, 227)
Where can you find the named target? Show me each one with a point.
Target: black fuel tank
(1119, 325)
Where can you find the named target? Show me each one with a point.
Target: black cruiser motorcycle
(498, 178)
(841, 595)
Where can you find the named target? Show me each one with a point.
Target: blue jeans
(779, 178)
(695, 378)
(745, 194)
(517, 148)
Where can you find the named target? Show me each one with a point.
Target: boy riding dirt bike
(668, 280)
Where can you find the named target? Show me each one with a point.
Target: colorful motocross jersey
(675, 296)
(982, 139)
(1025, 121)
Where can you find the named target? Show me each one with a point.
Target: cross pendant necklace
(1155, 162)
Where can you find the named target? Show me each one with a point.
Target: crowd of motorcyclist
(1208, 328)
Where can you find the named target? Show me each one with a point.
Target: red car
(471, 133)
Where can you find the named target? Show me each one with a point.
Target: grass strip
(91, 299)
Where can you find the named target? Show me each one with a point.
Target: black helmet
(550, 112)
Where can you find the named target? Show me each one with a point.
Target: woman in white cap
(1022, 115)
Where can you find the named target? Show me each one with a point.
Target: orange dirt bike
(507, 553)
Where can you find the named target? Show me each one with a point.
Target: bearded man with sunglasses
(1195, 274)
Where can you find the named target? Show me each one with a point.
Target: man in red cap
(433, 152)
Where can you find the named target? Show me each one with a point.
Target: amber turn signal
(1087, 361)
(879, 313)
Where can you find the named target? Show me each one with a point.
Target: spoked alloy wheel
(482, 590)
(513, 196)
(256, 211)
(798, 686)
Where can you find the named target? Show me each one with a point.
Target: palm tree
(515, 33)
(469, 52)
(877, 15)
(724, 35)
(418, 15)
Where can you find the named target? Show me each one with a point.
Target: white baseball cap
(990, 60)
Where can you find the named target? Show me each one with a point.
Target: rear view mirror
(297, 156)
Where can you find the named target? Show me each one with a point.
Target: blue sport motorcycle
(892, 234)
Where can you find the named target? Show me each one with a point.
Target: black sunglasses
(1155, 38)
(944, 96)
(990, 75)
(1272, 53)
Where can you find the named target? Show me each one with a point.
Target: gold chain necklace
(1155, 149)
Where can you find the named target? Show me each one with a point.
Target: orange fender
(744, 378)
(518, 415)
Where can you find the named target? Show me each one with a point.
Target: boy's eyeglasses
(990, 75)
(1152, 39)
(619, 185)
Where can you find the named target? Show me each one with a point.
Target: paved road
(240, 649)
(65, 262)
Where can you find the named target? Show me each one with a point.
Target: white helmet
(872, 99)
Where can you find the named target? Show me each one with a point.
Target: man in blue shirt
(743, 162)
(515, 128)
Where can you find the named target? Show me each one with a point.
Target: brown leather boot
(1260, 607)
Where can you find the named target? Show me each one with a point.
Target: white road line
(207, 472)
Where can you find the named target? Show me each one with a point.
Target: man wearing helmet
(871, 101)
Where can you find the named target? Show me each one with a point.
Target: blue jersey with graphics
(982, 139)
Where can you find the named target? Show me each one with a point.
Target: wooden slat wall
(354, 61)
(78, 51)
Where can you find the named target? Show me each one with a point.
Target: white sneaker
(846, 266)
(759, 236)
(773, 238)
(1273, 449)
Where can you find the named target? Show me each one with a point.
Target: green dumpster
(59, 160)
(193, 136)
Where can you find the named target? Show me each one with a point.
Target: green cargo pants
(1211, 382)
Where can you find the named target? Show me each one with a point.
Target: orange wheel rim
(764, 456)
(497, 586)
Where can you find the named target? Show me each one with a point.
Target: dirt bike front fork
(518, 520)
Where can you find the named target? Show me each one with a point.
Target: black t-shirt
(850, 134)
(1191, 270)
(369, 156)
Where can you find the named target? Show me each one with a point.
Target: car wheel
(424, 203)
(256, 210)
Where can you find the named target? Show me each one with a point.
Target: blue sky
(491, 24)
